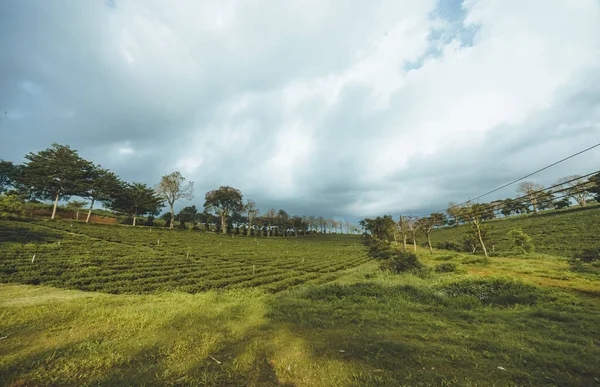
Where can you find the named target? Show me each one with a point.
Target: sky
(338, 108)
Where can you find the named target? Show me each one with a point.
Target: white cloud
(348, 108)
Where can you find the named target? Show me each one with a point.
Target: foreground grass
(564, 233)
(366, 328)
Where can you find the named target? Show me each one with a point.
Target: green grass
(563, 233)
(508, 321)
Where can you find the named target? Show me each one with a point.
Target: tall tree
(403, 225)
(594, 187)
(577, 188)
(173, 187)
(56, 173)
(453, 213)
(428, 223)
(188, 214)
(474, 213)
(137, 199)
(223, 202)
(8, 172)
(533, 192)
(77, 205)
(102, 187)
(284, 218)
(270, 217)
(251, 213)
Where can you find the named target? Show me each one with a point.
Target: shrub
(446, 267)
(402, 261)
(449, 245)
(379, 249)
(494, 291)
(10, 204)
(521, 241)
(585, 256)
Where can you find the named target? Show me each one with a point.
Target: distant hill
(563, 233)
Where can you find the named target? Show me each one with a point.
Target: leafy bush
(585, 256)
(379, 249)
(446, 267)
(493, 291)
(10, 204)
(449, 245)
(402, 261)
(521, 241)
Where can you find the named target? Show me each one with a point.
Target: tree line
(59, 173)
(534, 197)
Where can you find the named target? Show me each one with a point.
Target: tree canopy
(223, 202)
(56, 173)
(137, 199)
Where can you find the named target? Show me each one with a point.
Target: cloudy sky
(337, 108)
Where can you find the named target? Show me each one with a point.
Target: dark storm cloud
(305, 106)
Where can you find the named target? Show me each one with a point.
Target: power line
(529, 175)
(527, 198)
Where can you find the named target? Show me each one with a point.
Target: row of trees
(534, 197)
(58, 173)
(244, 218)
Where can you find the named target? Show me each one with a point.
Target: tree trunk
(414, 240)
(172, 216)
(223, 228)
(55, 205)
(429, 242)
(481, 240)
(89, 215)
(249, 227)
(134, 220)
(403, 233)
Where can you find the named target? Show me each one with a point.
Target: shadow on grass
(409, 335)
(14, 232)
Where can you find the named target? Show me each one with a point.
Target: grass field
(508, 321)
(564, 233)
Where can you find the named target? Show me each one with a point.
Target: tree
(251, 213)
(577, 188)
(532, 191)
(594, 187)
(508, 207)
(453, 212)
(56, 173)
(403, 225)
(77, 205)
(187, 214)
(137, 199)
(8, 172)
(223, 202)
(102, 187)
(382, 227)
(428, 223)
(562, 203)
(473, 214)
(173, 187)
(270, 217)
(545, 200)
(283, 221)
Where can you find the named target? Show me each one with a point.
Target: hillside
(123, 259)
(563, 233)
(311, 311)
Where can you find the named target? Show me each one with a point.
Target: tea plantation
(121, 259)
(565, 233)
